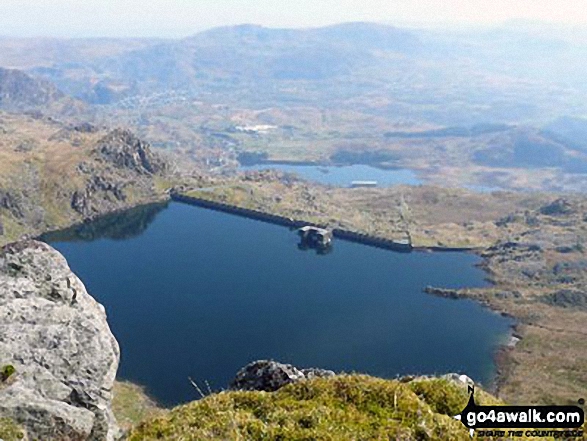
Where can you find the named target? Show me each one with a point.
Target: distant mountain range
(233, 57)
(330, 65)
(533, 148)
(514, 95)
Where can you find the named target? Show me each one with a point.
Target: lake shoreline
(339, 174)
(343, 234)
(500, 353)
(270, 162)
(486, 370)
(162, 201)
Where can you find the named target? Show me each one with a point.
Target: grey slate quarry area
(56, 337)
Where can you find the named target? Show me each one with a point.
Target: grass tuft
(9, 431)
(6, 372)
(338, 408)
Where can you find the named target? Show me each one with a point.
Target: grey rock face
(108, 191)
(56, 336)
(12, 202)
(269, 376)
(123, 149)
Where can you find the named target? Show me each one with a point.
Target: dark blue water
(196, 293)
(342, 176)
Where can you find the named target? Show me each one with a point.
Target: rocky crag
(119, 164)
(270, 376)
(58, 356)
(53, 176)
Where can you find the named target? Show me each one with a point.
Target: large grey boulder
(269, 376)
(57, 338)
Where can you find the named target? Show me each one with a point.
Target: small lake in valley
(342, 176)
(191, 292)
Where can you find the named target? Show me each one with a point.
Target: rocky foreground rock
(269, 376)
(56, 337)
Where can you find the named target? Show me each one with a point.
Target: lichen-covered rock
(57, 338)
(269, 376)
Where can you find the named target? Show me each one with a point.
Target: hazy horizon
(177, 18)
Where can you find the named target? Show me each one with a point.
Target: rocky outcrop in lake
(57, 348)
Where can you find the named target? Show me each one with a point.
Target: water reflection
(202, 293)
(321, 250)
(119, 226)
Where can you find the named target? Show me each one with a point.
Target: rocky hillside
(530, 148)
(52, 175)
(21, 91)
(58, 356)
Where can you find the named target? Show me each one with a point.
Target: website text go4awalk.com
(562, 422)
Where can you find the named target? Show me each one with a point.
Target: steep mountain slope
(531, 148)
(53, 175)
(19, 90)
